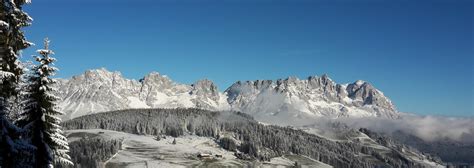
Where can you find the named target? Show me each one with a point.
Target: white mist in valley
(428, 128)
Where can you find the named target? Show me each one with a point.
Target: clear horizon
(419, 54)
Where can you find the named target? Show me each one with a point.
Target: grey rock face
(313, 97)
(206, 90)
(95, 91)
(100, 90)
(368, 95)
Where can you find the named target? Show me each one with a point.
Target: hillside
(148, 151)
(239, 133)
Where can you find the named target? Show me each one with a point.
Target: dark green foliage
(152, 122)
(452, 152)
(257, 141)
(14, 152)
(40, 115)
(15, 143)
(92, 152)
(384, 140)
(12, 41)
(251, 150)
(228, 144)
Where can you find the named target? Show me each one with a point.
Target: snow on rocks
(100, 90)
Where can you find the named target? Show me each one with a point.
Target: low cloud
(428, 128)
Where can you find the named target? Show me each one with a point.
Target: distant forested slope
(92, 150)
(253, 140)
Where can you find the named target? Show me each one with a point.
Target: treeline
(253, 140)
(92, 151)
(388, 142)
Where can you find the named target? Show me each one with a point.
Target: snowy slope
(270, 101)
(145, 151)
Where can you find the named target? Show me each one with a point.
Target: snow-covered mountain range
(305, 99)
(100, 90)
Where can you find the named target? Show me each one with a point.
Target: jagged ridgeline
(254, 140)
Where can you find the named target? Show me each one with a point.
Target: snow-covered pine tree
(40, 114)
(12, 41)
(17, 107)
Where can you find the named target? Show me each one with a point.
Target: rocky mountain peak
(359, 82)
(262, 84)
(101, 74)
(204, 87)
(315, 96)
(98, 77)
(204, 83)
(324, 82)
(97, 71)
(155, 76)
(157, 80)
(240, 88)
(366, 94)
(292, 79)
(250, 86)
(101, 90)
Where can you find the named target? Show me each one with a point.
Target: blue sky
(419, 52)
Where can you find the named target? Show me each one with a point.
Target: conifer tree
(40, 116)
(12, 41)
